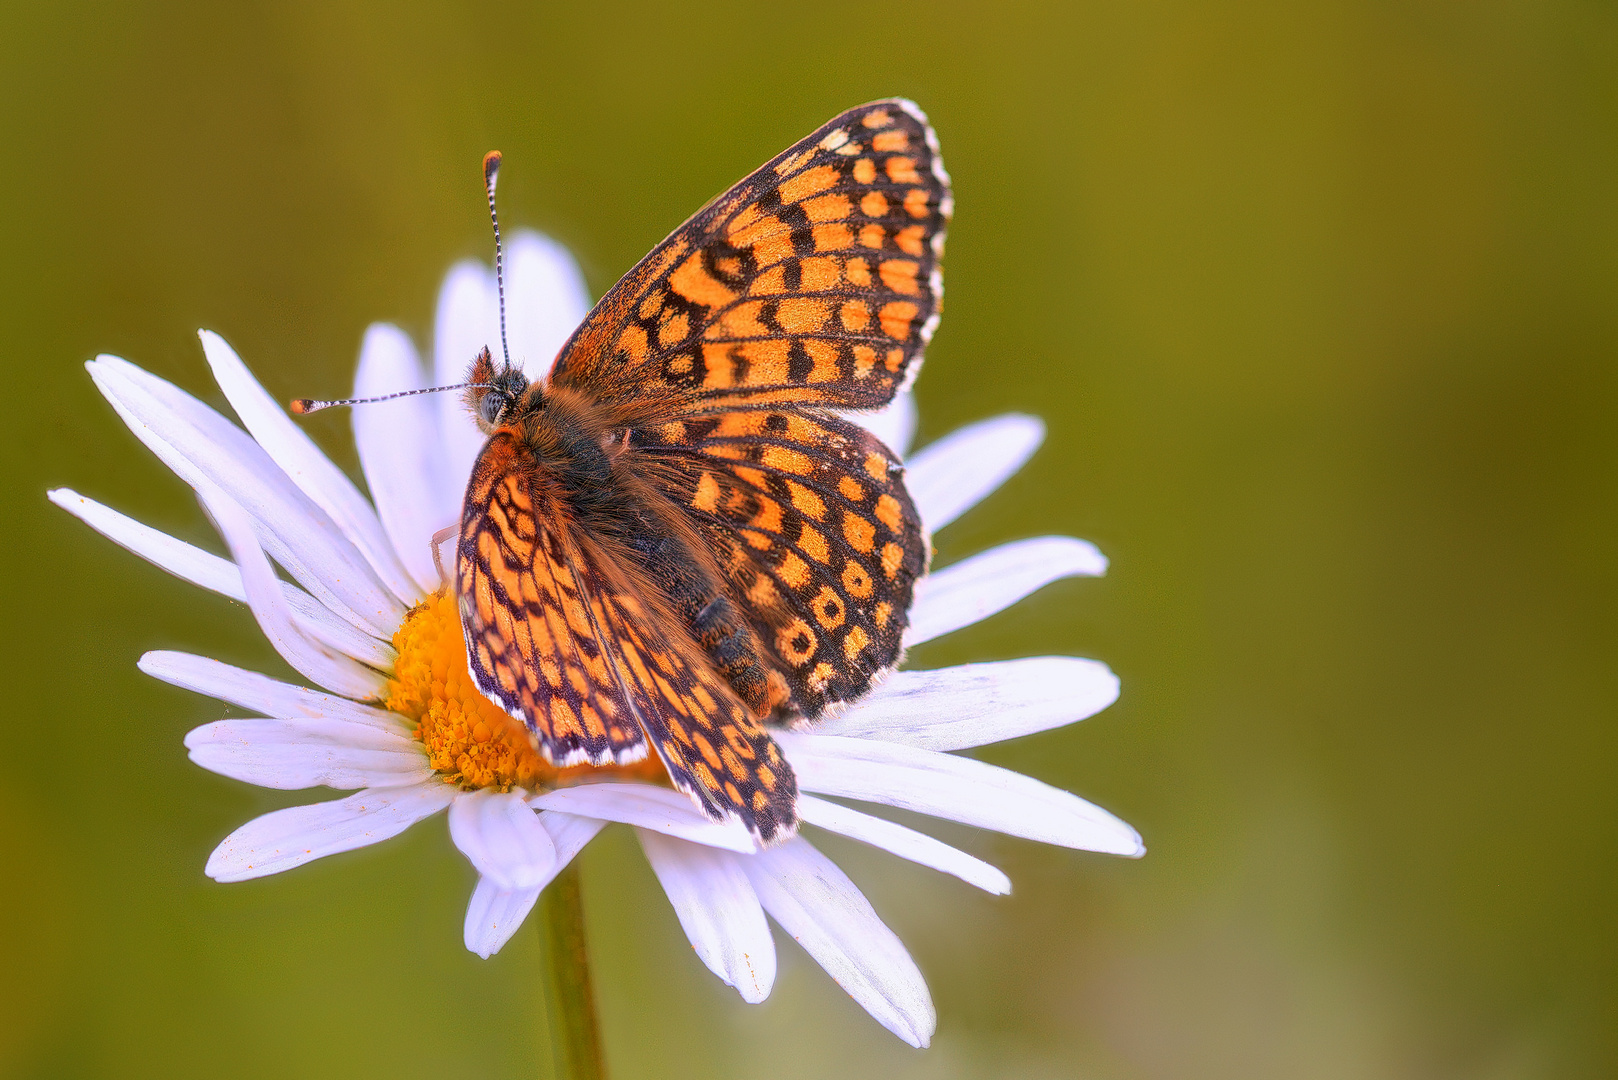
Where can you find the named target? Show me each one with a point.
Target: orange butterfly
(672, 541)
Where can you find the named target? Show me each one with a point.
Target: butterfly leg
(449, 532)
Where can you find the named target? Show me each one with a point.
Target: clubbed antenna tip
(491, 173)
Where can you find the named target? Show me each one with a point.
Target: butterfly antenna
(491, 173)
(303, 406)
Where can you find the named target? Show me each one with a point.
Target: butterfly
(673, 542)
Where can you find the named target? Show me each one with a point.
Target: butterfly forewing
(814, 281)
(531, 644)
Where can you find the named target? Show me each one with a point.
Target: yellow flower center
(469, 739)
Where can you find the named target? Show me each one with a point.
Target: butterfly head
(492, 393)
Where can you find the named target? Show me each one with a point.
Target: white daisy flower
(398, 721)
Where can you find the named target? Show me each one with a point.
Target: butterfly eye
(491, 406)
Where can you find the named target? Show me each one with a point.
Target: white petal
(546, 299)
(205, 449)
(569, 832)
(816, 903)
(262, 694)
(954, 788)
(468, 319)
(718, 910)
(290, 754)
(977, 704)
(993, 580)
(895, 425)
(655, 808)
(204, 568)
(179, 558)
(495, 913)
(304, 463)
(905, 843)
(401, 451)
(316, 620)
(313, 660)
(503, 838)
(287, 838)
(949, 477)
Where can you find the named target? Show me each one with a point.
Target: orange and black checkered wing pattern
(563, 634)
(814, 532)
(530, 637)
(815, 281)
(713, 746)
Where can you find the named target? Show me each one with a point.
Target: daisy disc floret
(390, 713)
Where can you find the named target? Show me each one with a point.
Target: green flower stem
(569, 999)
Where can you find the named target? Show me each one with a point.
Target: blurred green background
(1320, 303)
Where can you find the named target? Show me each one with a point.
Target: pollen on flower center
(470, 740)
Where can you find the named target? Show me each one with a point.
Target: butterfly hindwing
(815, 533)
(813, 281)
